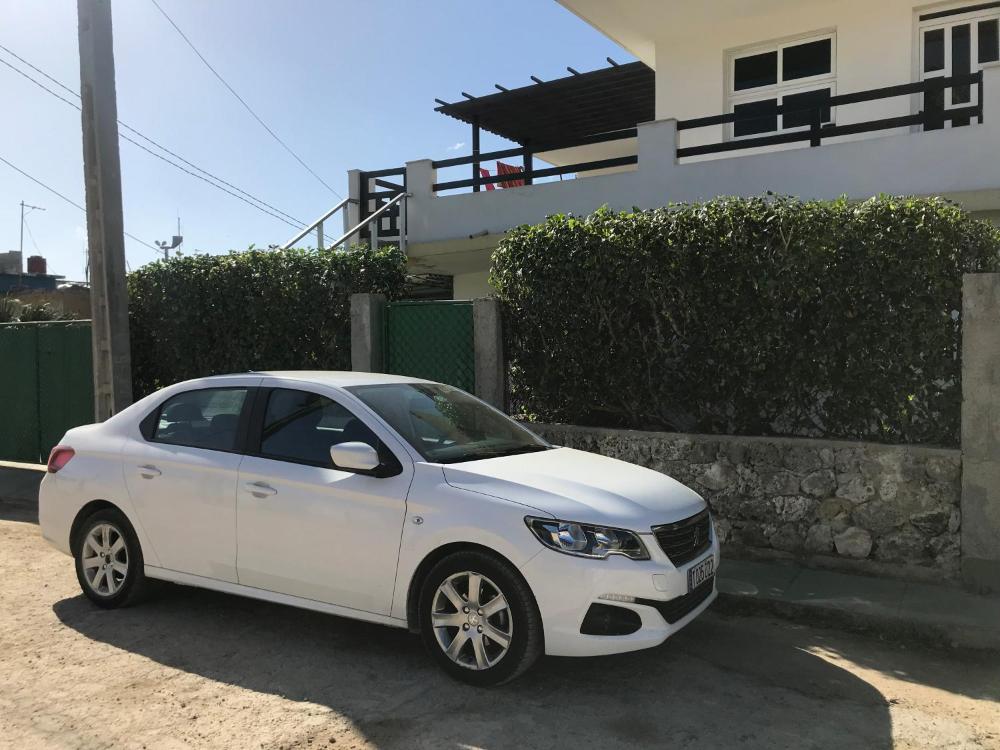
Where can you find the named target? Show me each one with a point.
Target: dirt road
(198, 669)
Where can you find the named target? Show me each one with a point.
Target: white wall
(472, 285)
(875, 42)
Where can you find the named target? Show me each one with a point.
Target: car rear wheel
(109, 564)
(478, 619)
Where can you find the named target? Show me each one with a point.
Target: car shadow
(716, 684)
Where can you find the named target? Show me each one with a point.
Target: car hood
(573, 485)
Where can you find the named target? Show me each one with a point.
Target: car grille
(677, 609)
(685, 540)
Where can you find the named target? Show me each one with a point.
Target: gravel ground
(197, 669)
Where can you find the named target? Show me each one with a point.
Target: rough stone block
(779, 483)
(879, 516)
(820, 483)
(853, 542)
(905, 544)
(819, 538)
(854, 488)
(787, 538)
(802, 460)
(719, 476)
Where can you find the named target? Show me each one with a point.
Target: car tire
(485, 637)
(109, 562)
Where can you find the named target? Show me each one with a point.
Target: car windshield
(445, 424)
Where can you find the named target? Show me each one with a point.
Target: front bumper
(565, 586)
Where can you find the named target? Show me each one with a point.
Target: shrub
(193, 316)
(39, 312)
(10, 309)
(747, 316)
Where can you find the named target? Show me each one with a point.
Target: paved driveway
(198, 669)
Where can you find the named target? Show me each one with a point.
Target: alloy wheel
(104, 559)
(472, 620)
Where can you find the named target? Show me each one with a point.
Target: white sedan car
(388, 499)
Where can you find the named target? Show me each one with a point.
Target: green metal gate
(46, 386)
(431, 340)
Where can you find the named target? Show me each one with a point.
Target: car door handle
(148, 472)
(260, 489)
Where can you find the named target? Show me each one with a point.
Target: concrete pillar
(981, 431)
(420, 179)
(367, 332)
(991, 94)
(352, 212)
(488, 343)
(657, 146)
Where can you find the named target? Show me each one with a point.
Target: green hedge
(257, 310)
(746, 316)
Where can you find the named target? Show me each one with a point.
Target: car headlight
(586, 540)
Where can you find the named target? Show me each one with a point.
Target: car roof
(336, 378)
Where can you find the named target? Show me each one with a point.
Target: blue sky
(345, 84)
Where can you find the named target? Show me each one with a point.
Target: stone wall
(887, 510)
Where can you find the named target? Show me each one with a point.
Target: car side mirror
(355, 456)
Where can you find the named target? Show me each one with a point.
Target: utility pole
(20, 247)
(105, 226)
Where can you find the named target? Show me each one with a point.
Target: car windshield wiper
(494, 454)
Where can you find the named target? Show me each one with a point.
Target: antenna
(175, 241)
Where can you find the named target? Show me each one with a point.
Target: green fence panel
(65, 381)
(46, 386)
(431, 340)
(19, 393)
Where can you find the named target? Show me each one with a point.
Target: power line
(72, 202)
(298, 223)
(242, 101)
(158, 156)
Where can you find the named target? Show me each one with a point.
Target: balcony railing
(932, 117)
(529, 174)
(376, 191)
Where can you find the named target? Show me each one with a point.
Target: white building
(812, 98)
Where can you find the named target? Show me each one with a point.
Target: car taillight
(59, 457)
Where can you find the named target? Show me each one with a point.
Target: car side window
(207, 418)
(301, 426)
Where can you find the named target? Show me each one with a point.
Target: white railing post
(657, 145)
(402, 225)
(420, 179)
(352, 216)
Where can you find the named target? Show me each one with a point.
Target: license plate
(701, 573)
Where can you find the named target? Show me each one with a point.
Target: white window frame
(946, 23)
(781, 89)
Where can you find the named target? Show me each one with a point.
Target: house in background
(812, 98)
(14, 279)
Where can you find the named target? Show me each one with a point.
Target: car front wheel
(478, 619)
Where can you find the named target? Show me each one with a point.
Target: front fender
(438, 514)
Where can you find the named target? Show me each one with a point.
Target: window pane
(762, 118)
(805, 100)
(445, 424)
(933, 50)
(805, 60)
(961, 61)
(755, 71)
(989, 41)
(301, 426)
(934, 106)
(202, 419)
